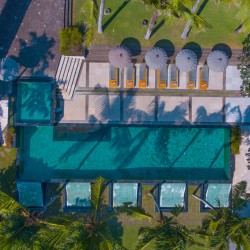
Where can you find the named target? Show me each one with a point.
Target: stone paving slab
(82, 77)
(207, 109)
(173, 109)
(74, 110)
(138, 108)
(104, 108)
(98, 75)
(182, 80)
(233, 79)
(237, 109)
(215, 80)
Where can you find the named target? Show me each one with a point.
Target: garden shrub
(9, 134)
(71, 41)
(235, 140)
(244, 67)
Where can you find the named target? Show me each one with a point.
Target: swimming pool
(34, 102)
(125, 152)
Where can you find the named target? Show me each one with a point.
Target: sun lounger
(113, 76)
(130, 76)
(143, 76)
(174, 77)
(204, 77)
(162, 77)
(191, 82)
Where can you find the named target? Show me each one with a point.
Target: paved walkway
(100, 54)
(241, 171)
(32, 34)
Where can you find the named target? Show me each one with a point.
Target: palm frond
(147, 237)
(91, 8)
(8, 203)
(240, 195)
(97, 191)
(177, 210)
(134, 212)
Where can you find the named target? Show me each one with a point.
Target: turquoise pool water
(34, 102)
(122, 152)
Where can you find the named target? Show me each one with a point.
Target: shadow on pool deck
(10, 20)
(34, 56)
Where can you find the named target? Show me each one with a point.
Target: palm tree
(94, 233)
(91, 10)
(243, 15)
(174, 9)
(101, 12)
(19, 228)
(224, 225)
(188, 24)
(167, 234)
(159, 6)
(193, 20)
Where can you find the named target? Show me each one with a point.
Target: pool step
(67, 74)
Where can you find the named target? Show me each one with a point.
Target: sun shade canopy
(218, 193)
(78, 194)
(217, 61)
(30, 194)
(120, 56)
(8, 69)
(156, 58)
(125, 192)
(172, 194)
(186, 60)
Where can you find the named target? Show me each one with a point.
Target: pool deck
(241, 171)
(221, 105)
(32, 37)
(96, 75)
(132, 107)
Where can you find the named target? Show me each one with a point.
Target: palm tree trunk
(151, 25)
(238, 30)
(188, 24)
(101, 13)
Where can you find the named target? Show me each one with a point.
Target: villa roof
(119, 56)
(217, 61)
(8, 69)
(156, 58)
(186, 60)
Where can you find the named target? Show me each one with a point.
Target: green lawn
(7, 157)
(8, 170)
(191, 219)
(124, 26)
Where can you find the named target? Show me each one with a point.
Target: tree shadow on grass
(106, 24)
(133, 44)
(203, 5)
(167, 45)
(195, 47)
(157, 27)
(223, 47)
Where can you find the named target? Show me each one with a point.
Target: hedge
(235, 140)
